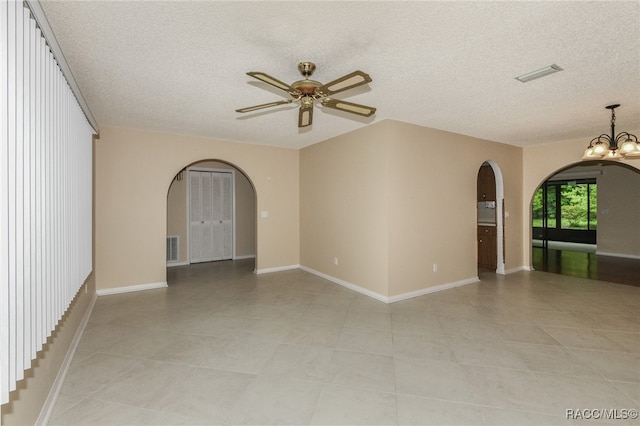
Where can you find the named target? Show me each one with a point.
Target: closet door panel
(195, 213)
(207, 219)
(226, 237)
(218, 202)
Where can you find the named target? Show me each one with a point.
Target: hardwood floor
(587, 265)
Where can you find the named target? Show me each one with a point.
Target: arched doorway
(490, 218)
(584, 222)
(224, 211)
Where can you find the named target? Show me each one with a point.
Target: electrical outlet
(335, 261)
(435, 267)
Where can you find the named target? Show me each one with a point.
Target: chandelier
(613, 147)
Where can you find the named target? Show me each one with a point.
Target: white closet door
(218, 201)
(206, 218)
(226, 240)
(211, 216)
(195, 215)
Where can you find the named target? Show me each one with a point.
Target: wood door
(487, 247)
(486, 184)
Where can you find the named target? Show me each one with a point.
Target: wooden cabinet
(486, 184)
(487, 235)
(487, 247)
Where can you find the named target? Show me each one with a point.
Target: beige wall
(343, 197)
(619, 211)
(131, 200)
(432, 205)
(245, 211)
(382, 201)
(177, 213)
(542, 161)
(246, 217)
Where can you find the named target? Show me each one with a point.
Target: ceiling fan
(309, 91)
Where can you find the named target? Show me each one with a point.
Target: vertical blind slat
(37, 201)
(45, 194)
(26, 191)
(33, 45)
(11, 201)
(4, 196)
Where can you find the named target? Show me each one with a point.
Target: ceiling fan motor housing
(306, 87)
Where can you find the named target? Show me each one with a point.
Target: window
(569, 205)
(575, 209)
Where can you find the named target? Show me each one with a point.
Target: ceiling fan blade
(349, 81)
(305, 117)
(272, 81)
(363, 110)
(261, 106)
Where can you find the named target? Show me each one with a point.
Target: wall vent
(172, 248)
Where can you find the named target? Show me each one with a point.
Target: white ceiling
(180, 67)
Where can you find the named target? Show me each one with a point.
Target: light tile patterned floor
(224, 346)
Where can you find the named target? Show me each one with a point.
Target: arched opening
(490, 218)
(211, 215)
(584, 222)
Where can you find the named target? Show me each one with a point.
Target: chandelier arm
(626, 136)
(602, 138)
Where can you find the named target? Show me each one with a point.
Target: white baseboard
(186, 262)
(433, 289)
(346, 284)
(276, 269)
(50, 402)
(131, 288)
(391, 299)
(246, 256)
(171, 264)
(518, 269)
(626, 256)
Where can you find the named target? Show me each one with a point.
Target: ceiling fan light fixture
(305, 117)
(542, 72)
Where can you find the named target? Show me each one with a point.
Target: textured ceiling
(180, 67)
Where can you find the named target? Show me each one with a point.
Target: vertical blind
(45, 194)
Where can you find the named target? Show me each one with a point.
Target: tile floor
(224, 346)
